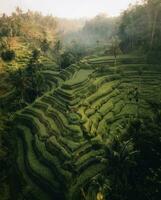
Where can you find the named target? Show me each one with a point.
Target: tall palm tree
(40, 81)
(120, 159)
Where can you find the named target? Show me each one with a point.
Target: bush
(35, 54)
(67, 59)
(153, 57)
(8, 55)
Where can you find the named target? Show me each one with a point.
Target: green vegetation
(8, 55)
(80, 111)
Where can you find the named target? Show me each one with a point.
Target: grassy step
(118, 107)
(99, 81)
(103, 105)
(51, 75)
(73, 146)
(106, 108)
(69, 85)
(95, 122)
(103, 91)
(51, 161)
(79, 91)
(62, 123)
(63, 99)
(54, 102)
(7, 97)
(40, 105)
(117, 127)
(50, 84)
(54, 147)
(78, 79)
(54, 75)
(33, 123)
(72, 130)
(88, 155)
(42, 175)
(83, 149)
(31, 189)
(129, 109)
(89, 162)
(37, 114)
(47, 121)
(96, 106)
(103, 126)
(66, 74)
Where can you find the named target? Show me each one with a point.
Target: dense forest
(80, 106)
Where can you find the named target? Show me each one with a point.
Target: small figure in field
(129, 94)
(136, 94)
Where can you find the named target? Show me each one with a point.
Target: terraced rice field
(58, 134)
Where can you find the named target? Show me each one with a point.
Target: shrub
(92, 89)
(153, 57)
(45, 45)
(8, 55)
(35, 54)
(67, 59)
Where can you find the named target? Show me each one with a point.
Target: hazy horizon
(68, 9)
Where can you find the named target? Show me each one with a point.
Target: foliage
(140, 29)
(45, 45)
(125, 175)
(82, 139)
(57, 51)
(3, 44)
(114, 48)
(35, 55)
(32, 25)
(29, 82)
(145, 135)
(121, 160)
(8, 55)
(67, 58)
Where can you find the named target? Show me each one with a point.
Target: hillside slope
(59, 136)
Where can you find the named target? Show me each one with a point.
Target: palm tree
(120, 159)
(20, 82)
(57, 52)
(40, 81)
(115, 48)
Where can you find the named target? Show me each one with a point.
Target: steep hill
(59, 136)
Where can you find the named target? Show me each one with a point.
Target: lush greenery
(80, 110)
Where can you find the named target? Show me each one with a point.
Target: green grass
(52, 161)
(30, 189)
(37, 170)
(78, 77)
(87, 156)
(88, 108)
(34, 124)
(47, 121)
(54, 146)
(104, 90)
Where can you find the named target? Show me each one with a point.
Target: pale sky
(68, 8)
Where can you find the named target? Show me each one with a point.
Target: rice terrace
(80, 105)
